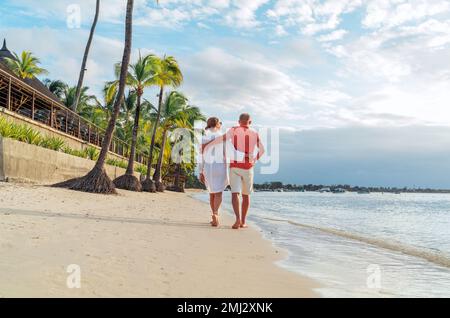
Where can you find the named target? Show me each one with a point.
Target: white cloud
(390, 69)
(112, 11)
(312, 16)
(61, 53)
(220, 82)
(393, 13)
(333, 36)
(280, 31)
(225, 83)
(243, 13)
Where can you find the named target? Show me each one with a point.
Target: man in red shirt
(245, 141)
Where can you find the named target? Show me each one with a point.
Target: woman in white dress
(214, 168)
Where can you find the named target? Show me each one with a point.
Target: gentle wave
(433, 257)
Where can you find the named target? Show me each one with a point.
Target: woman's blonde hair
(212, 122)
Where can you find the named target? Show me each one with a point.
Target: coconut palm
(175, 113)
(139, 77)
(79, 87)
(57, 87)
(85, 102)
(190, 115)
(25, 66)
(166, 73)
(124, 123)
(97, 181)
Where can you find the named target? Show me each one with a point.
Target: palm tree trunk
(122, 83)
(130, 168)
(128, 181)
(85, 57)
(152, 144)
(177, 178)
(157, 174)
(97, 180)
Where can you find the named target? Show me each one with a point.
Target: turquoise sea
(354, 245)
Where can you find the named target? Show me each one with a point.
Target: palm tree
(190, 115)
(57, 87)
(97, 181)
(109, 96)
(128, 108)
(175, 113)
(85, 57)
(25, 66)
(139, 77)
(166, 73)
(85, 101)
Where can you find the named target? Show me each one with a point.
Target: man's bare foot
(244, 225)
(236, 225)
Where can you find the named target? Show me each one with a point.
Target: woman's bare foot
(215, 221)
(236, 225)
(244, 226)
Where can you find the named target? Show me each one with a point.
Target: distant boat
(339, 190)
(325, 190)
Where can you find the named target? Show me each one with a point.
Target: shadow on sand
(73, 216)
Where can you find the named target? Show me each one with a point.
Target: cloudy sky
(359, 88)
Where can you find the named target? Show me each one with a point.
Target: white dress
(214, 165)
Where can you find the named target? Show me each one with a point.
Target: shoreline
(283, 253)
(132, 245)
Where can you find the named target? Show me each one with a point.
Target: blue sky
(314, 68)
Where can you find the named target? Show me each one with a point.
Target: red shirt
(244, 140)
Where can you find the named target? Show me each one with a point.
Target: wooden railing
(19, 97)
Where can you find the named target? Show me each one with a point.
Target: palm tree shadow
(98, 218)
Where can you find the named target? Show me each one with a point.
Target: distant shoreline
(280, 187)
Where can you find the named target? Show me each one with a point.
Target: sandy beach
(131, 245)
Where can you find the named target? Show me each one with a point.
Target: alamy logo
(74, 278)
(374, 277)
(73, 20)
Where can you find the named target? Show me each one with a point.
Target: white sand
(131, 245)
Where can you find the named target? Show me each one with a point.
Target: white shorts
(241, 180)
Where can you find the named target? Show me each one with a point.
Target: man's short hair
(245, 117)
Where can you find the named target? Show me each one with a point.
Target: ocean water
(354, 245)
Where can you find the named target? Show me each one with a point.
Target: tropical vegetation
(140, 76)
(25, 66)
(150, 131)
(166, 73)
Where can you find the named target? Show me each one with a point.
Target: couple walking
(238, 145)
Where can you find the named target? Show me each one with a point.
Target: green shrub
(53, 143)
(6, 128)
(142, 169)
(73, 152)
(116, 163)
(19, 132)
(67, 150)
(91, 153)
(32, 137)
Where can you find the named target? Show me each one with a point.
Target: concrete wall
(45, 130)
(24, 162)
